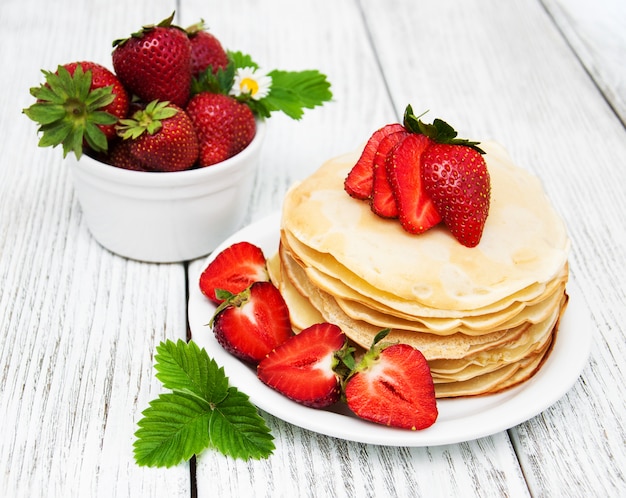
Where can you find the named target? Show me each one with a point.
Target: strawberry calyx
(147, 120)
(147, 28)
(229, 300)
(196, 28)
(70, 112)
(351, 367)
(439, 131)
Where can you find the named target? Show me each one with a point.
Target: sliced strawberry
(457, 180)
(252, 323)
(360, 181)
(302, 368)
(393, 386)
(233, 270)
(383, 202)
(416, 210)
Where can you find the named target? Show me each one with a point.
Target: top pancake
(524, 240)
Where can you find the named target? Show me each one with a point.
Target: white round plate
(460, 419)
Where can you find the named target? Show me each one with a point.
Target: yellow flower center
(248, 85)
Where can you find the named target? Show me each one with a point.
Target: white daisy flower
(252, 82)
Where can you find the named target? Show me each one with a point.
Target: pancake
(485, 318)
(524, 240)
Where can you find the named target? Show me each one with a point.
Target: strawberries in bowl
(175, 103)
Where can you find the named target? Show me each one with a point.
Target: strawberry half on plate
(303, 367)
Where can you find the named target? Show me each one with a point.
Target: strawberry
(417, 213)
(224, 126)
(119, 155)
(206, 50)
(383, 201)
(302, 368)
(360, 181)
(78, 106)
(252, 323)
(393, 386)
(155, 63)
(161, 137)
(455, 176)
(234, 269)
(457, 180)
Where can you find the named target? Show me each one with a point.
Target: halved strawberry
(302, 368)
(252, 323)
(360, 181)
(393, 386)
(417, 213)
(233, 270)
(383, 202)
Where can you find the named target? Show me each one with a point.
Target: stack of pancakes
(485, 317)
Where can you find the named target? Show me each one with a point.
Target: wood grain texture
(78, 325)
(308, 464)
(513, 78)
(596, 31)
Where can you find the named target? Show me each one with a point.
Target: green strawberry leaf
(239, 60)
(182, 366)
(439, 131)
(172, 430)
(201, 411)
(236, 428)
(293, 91)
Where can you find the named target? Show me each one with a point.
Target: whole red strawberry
(161, 137)
(393, 386)
(303, 367)
(233, 269)
(224, 126)
(457, 181)
(155, 63)
(73, 99)
(252, 323)
(206, 50)
(119, 155)
(455, 176)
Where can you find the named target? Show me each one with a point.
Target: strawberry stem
(148, 120)
(439, 131)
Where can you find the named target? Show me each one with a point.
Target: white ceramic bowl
(166, 217)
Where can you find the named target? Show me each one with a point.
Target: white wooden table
(79, 325)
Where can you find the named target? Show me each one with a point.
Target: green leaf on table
(183, 366)
(237, 429)
(201, 411)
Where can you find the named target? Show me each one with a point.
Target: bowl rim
(90, 166)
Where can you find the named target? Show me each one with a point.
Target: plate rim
(499, 412)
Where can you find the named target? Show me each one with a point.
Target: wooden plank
(596, 31)
(297, 36)
(505, 72)
(78, 324)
